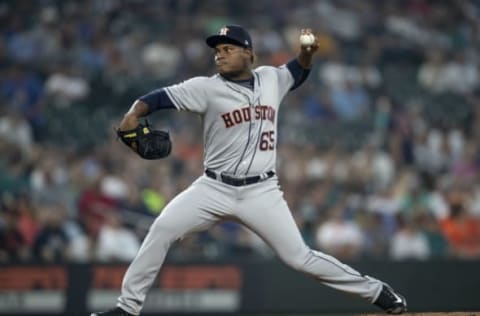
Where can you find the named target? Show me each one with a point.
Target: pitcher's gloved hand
(146, 142)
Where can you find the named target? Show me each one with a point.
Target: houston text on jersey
(262, 112)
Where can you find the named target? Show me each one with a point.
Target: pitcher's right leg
(188, 212)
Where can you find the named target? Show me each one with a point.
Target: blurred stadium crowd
(378, 152)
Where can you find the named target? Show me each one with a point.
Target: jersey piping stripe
(246, 145)
(335, 264)
(256, 145)
(249, 125)
(260, 129)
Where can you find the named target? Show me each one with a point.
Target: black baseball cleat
(117, 311)
(390, 301)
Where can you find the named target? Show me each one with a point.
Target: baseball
(307, 39)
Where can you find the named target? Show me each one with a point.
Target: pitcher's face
(232, 60)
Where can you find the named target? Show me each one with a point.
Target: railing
(232, 288)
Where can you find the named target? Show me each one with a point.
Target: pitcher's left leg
(268, 215)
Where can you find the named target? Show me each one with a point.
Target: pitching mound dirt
(433, 314)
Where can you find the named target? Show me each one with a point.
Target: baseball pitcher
(239, 109)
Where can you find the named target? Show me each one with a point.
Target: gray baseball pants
(262, 208)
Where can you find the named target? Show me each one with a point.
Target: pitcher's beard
(232, 75)
(243, 73)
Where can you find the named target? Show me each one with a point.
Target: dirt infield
(433, 314)
(383, 314)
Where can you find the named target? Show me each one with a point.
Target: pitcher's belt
(239, 181)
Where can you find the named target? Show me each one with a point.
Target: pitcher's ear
(252, 55)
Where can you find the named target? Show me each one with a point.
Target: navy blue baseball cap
(230, 34)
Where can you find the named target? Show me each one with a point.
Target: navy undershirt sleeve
(157, 100)
(299, 73)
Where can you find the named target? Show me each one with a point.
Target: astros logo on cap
(223, 31)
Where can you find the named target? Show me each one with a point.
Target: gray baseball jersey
(239, 131)
(240, 124)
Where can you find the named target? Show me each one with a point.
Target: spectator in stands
(439, 74)
(350, 101)
(27, 221)
(13, 168)
(66, 86)
(49, 180)
(21, 44)
(465, 167)
(409, 242)
(437, 242)
(80, 244)
(375, 235)
(94, 207)
(115, 242)
(339, 236)
(461, 74)
(318, 106)
(462, 231)
(13, 246)
(51, 244)
(16, 130)
(23, 89)
(431, 74)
